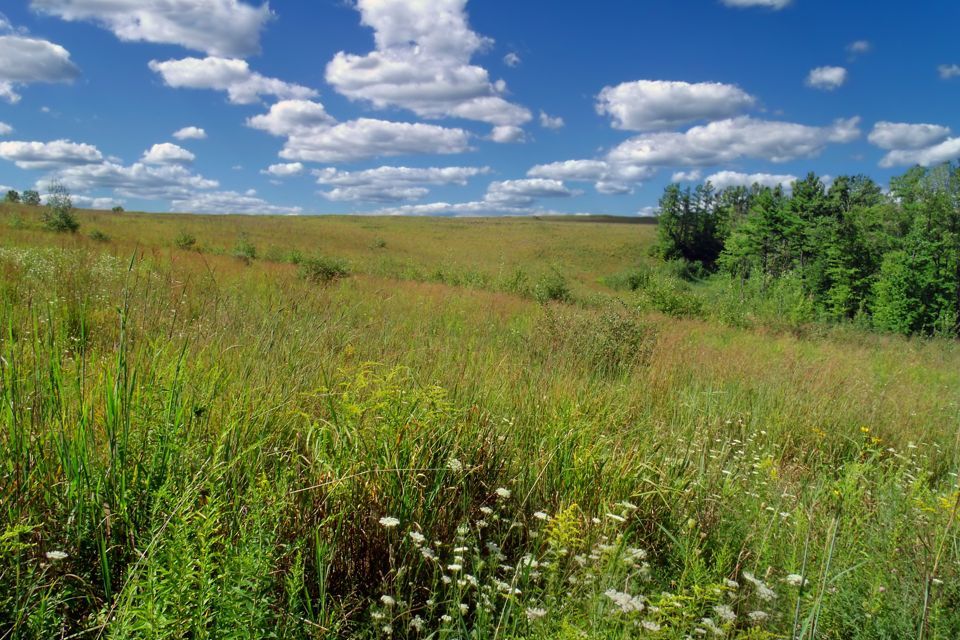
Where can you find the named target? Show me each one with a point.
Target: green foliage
(185, 241)
(846, 253)
(12, 197)
(58, 215)
(552, 287)
(244, 249)
(31, 197)
(117, 209)
(322, 270)
(99, 236)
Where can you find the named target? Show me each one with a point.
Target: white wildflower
(725, 612)
(417, 537)
(502, 493)
(535, 613)
(387, 601)
(417, 623)
(454, 465)
(540, 515)
(56, 555)
(626, 602)
(650, 625)
(389, 522)
(758, 616)
(453, 568)
(763, 591)
(795, 580)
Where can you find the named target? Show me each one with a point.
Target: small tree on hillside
(59, 214)
(12, 197)
(31, 198)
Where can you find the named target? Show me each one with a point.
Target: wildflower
(377, 615)
(626, 602)
(758, 616)
(464, 608)
(502, 493)
(486, 511)
(387, 629)
(616, 518)
(725, 612)
(454, 465)
(628, 505)
(389, 522)
(417, 537)
(712, 626)
(795, 580)
(540, 515)
(763, 591)
(428, 553)
(56, 555)
(453, 568)
(387, 601)
(650, 626)
(417, 623)
(732, 584)
(535, 613)
(445, 618)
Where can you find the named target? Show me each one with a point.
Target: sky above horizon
(450, 107)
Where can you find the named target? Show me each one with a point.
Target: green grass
(213, 442)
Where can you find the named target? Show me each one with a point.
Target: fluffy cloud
(5, 129)
(167, 153)
(506, 134)
(230, 202)
(511, 59)
(190, 133)
(292, 118)
(92, 202)
(946, 151)
(770, 4)
(422, 63)
(524, 192)
(948, 71)
(285, 170)
(391, 184)
(650, 105)
(217, 27)
(313, 136)
(25, 60)
(827, 78)
(724, 179)
(139, 180)
(243, 86)
(728, 140)
(608, 178)
(551, 122)
(686, 176)
(49, 155)
(901, 135)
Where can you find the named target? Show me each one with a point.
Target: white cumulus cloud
(827, 78)
(948, 71)
(946, 151)
(217, 27)
(551, 122)
(650, 105)
(725, 179)
(25, 60)
(225, 202)
(243, 85)
(902, 135)
(190, 133)
(167, 153)
(49, 155)
(284, 170)
(686, 176)
(422, 63)
(5, 129)
(391, 184)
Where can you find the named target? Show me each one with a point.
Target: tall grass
(192, 447)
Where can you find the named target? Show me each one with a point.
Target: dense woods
(889, 259)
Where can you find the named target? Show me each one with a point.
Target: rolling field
(474, 430)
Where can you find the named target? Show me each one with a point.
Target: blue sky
(456, 107)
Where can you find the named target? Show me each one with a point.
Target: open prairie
(227, 426)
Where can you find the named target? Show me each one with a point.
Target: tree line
(891, 259)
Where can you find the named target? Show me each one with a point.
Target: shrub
(99, 236)
(117, 209)
(244, 249)
(552, 286)
(379, 243)
(59, 213)
(31, 198)
(12, 197)
(322, 270)
(185, 241)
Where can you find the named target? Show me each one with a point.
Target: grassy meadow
(476, 428)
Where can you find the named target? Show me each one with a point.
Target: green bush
(322, 270)
(31, 198)
(59, 212)
(185, 241)
(99, 236)
(552, 287)
(244, 249)
(13, 197)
